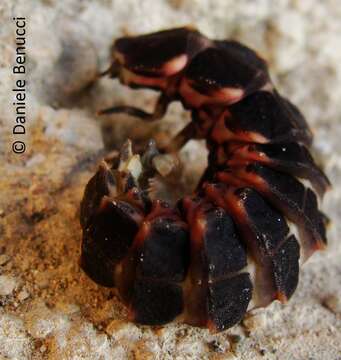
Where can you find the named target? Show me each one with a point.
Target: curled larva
(212, 255)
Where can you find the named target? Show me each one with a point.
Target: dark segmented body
(189, 261)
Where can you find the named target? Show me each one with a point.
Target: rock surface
(48, 308)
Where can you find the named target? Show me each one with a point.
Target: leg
(159, 111)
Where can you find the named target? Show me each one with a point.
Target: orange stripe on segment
(282, 297)
(198, 228)
(240, 178)
(234, 148)
(228, 95)
(225, 199)
(196, 221)
(319, 246)
(211, 326)
(196, 293)
(221, 156)
(141, 235)
(255, 180)
(230, 179)
(131, 314)
(190, 207)
(129, 78)
(175, 65)
(245, 154)
(235, 204)
(215, 195)
(193, 98)
(171, 67)
(221, 133)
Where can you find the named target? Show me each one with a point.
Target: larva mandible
(190, 261)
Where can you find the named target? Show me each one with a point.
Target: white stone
(120, 330)
(41, 321)
(7, 285)
(23, 295)
(14, 342)
(254, 321)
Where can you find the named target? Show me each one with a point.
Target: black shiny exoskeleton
(226, 248)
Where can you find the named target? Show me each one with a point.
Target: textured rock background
(48, 308)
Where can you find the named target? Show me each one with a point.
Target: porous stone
(4, 259)
(14, 342)
(7, 285)
(254, 321)
(333, 303)
(23, 295)
(41, 189)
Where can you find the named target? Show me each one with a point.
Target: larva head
(150, 60)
